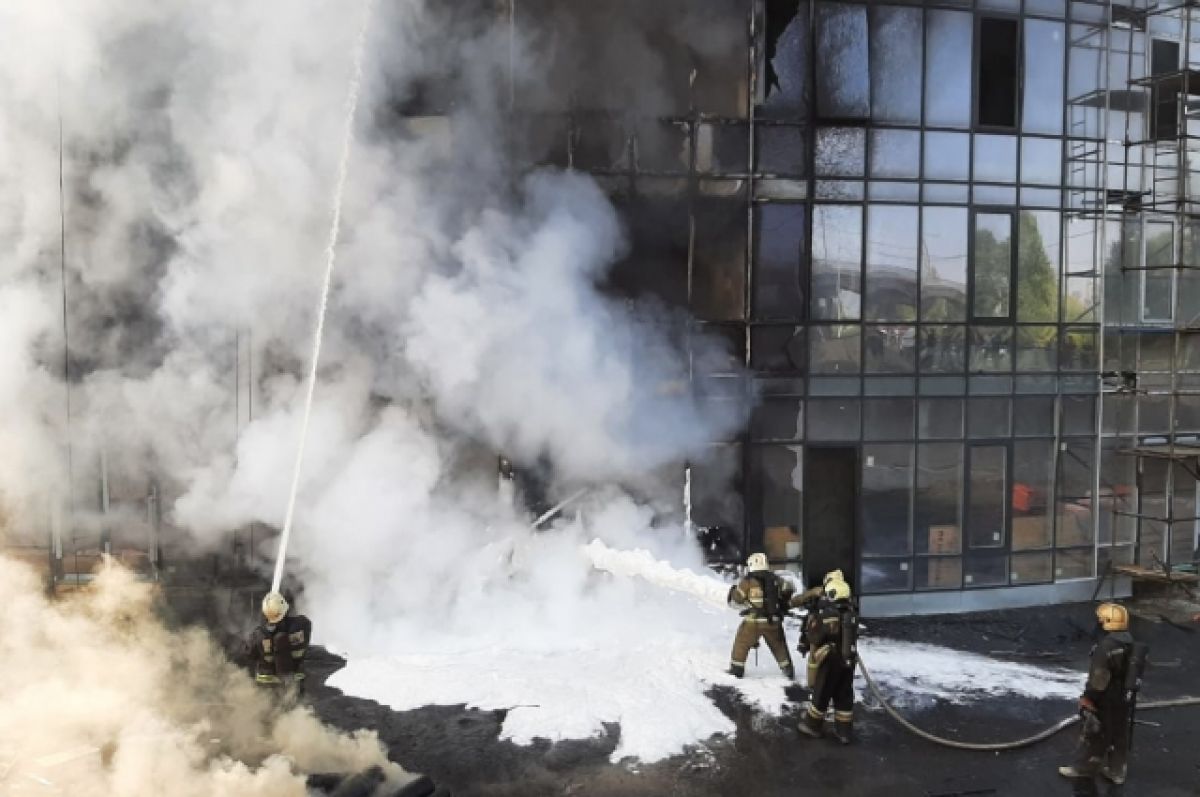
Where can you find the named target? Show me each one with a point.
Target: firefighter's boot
(843, 726)
(812, 723)
(737, 670)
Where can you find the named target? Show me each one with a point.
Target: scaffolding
(1131, 168)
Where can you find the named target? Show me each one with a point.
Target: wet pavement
(461, 750)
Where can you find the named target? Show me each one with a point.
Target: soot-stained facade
(949, 246)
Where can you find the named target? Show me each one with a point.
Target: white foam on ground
(652, 678)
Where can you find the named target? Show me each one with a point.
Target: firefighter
(764, 599)
(831, 631)
(278, 646)
(1108, 702)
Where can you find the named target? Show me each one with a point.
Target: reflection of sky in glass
(1041, 161)
(996, 159)
(843, 86)
(948, 68)
(1045, 46)
(836, 261)
(947, 156)
(896, 64)
(943, 264)
(895, 153)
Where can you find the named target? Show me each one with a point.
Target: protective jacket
(830, 631)
(1107, 706)
(764, 599)
(278, 650)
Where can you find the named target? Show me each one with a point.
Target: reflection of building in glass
(922, 229)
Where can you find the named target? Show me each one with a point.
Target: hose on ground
(995, 747)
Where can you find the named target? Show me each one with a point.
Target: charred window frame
(998, 72)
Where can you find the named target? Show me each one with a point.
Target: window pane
(1158, 300)
(1037, 349)
(991, 349)
(778, 419)
(891, 350)
(992, 277)
(941, 419)
(886, 575)
(780, 150)
(1045, 46)
(943, 349)
(896, 64)
(835, 349)
(777, 486)
(779, 245)
(843, 83)
(988, 494)
(947, 156)
(997, 85)
(778, 348)
(988, 417)
(943, 264)
(841, 152)
(888, 419)
(717, 496)
(833, 419)
(887, 482)
(985, 571)
(895, 153)
(1034, 416)
(837, 262)
(785, 82)
(943, 572)
(1038, 266)
(1078, 415)
(891, 263)
(1079, 351)
(948, 36)
(996, 159)
(719, 260)
(1031, 568)
(939, 498)
(1076, 473)
(1033, 485)
(1041, 161)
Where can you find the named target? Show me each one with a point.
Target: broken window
(716, 492)
(663, 147)
(657, 261)
(776, 500)
(779, 246)
(715, 35)
(996, 88)
(783, 84)
(843, 80)
(896, 64)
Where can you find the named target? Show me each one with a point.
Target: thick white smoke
(100, 699)
(199, 154)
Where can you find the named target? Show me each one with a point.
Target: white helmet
(274, 607)
(757, 563)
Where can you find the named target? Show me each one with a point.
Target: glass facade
(902, 219)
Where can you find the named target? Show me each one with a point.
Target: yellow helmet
(757, 563)
(837, 590)
(833, 575)
(274, 607)
(1113, 617)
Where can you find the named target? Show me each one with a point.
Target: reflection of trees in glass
(993, 265)
(1037, 283)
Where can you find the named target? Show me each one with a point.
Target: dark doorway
(830, 512)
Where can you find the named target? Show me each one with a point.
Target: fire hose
(995, 747)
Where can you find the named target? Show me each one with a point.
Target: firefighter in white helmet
(764, 599)
(278, 646)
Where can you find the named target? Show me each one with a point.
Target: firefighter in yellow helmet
(1108, 702)
(764, 599)
(278, 646)
(831, 631)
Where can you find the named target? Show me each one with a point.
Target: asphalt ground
(461, 749)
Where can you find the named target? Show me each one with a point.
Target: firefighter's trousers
(749, 632)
